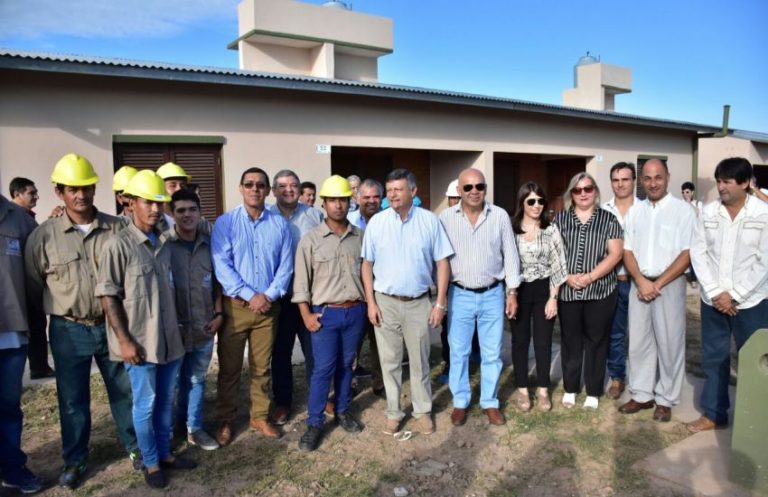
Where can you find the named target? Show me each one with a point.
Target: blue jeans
(11, 370)
(716, 329)
(617, 346)
(289, 326)
(74, 346)
(194, 368)
(486, 310)
(153, 388)
(335, 347)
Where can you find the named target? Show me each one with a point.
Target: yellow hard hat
(74, 170)
(122, 177)
(336, 186)
(171, 170)
(147, 185)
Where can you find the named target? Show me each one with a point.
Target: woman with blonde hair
(594, 244)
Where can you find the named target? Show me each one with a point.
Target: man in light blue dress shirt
(252, 258)
(301, 219)
(402, 247)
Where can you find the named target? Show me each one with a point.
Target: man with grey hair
(402, 248)
(354, 182)
(658, 234)
(301, 218)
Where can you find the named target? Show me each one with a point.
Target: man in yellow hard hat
(119, 182)
(135, 284)
(62, 258)
(329, 292)
(175, 178)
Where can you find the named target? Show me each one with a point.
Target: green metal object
(749, 457)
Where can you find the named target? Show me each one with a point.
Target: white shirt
(732, 255)
(657, 233)
(610, 206)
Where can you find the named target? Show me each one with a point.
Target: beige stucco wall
(275, 129)
(713, 150)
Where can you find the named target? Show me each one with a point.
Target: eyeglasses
(532, 201)
(479, 187)
(249, 185)
(585, 189)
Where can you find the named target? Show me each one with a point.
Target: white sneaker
(590, 402)
(569, 400)
(202, 440)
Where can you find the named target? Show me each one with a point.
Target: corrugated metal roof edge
(40, 61)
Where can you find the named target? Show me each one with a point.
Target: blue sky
(688, 57)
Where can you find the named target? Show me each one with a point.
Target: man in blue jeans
(728, 250)
(198, 307)
(327, 278)
(15, 227)
(135, 284)
(623, 177)
(62, 258)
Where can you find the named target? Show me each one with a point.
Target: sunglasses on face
(534, 201)
(585, 189)
(479, 187)
(250, 185)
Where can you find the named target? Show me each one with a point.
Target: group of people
(145, 292)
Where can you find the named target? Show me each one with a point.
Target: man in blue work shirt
(252, 259)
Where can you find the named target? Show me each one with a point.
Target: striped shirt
(484, 253)
(586, 245)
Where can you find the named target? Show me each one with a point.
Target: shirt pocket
(668, 238)
(325, 264)
(138, 281)
(64, 267)
(751, 232)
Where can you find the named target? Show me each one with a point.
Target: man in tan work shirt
(135, 284)
(61, 259)
(327, 278)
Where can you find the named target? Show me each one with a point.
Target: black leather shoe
(156, 479)
(70, 476)
(178, 463)
(39, 375)
(348, 423)
(379, 392)
(310, 439)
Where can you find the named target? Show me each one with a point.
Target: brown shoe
(330, 407)
(391, 426)
(662, 414)
(280, 415)
(458, 416)
(495, 417)
(634, 406)
(424, 424)
(224, 434)
(703, 424)
(265, 427)
(616, 389)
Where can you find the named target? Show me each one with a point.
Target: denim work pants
(289, 326)
(11, 419)
(486, 310)
(74, 346)
(154, 386)
(716, 330)
(335, 348)
(617, 346)
(194, 368)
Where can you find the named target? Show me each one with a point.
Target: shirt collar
(661, 203)
(352, 230)
(407, 217)
(67, 225)
(264, 213)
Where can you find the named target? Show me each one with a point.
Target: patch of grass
(389, 477)
(40, 407)
(335, 484)
(593, 442)
(563, 457)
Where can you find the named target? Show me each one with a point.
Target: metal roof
(76, 64)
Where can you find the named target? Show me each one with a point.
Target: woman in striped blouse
(594, 244)
(543, 269)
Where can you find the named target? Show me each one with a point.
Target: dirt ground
(561, 453)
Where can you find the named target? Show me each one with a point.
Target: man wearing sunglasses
(485, 274)
(252, 259)
(658, 235)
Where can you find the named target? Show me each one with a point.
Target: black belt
(478, 290)
(403, 298)
(651, 278)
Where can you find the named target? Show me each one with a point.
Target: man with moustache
(656, 254)
(623, 178)
(485, 274)
(135, 284)
(301, 219)
(62, 260)
(329, 292)
(728, 251)
(252, 258)
(308, 193)
(403, 247)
